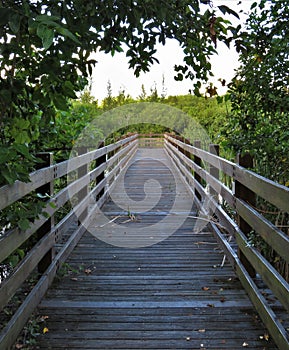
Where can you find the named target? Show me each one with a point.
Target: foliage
(208, 112)
(67, 126)
(260, 92)
(260, 104)
(46, 51)
(110, 101)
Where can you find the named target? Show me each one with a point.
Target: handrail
(100, 169)
(114, 158)
(183, 155)
(257, 183)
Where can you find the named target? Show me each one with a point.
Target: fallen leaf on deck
(43, 318)
(87, 271)
(45, 330)
(205, 288)
(201, 330)
(245, 345)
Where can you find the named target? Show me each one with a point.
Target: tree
(143, 95)
(45, 56)
(260, 102)
(164, 89)
(260, 91)
(154, 96)
(109, 101)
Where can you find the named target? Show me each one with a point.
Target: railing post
(186, 153)
(82, 171)
(47, 189)
(214, 149)
(249, 197)
(197, 161)
(101, 176)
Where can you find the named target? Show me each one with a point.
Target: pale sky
(115, 69)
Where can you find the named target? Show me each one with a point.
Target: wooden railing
(201, 172)
(151, 140)
(96, 172)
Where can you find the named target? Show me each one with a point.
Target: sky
(115, 69)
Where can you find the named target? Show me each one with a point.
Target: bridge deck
(125, 293)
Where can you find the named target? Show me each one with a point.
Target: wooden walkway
(125, 293)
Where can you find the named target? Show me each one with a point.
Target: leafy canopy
(46, 46)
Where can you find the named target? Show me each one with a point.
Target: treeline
(68, 125)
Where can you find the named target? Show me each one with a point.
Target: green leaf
(14, 23)
(21, 253)
(8, 176)
(46, 35)
(197, 91)
(220, 99)
(13, 260)
(23, 224)
(68, 89)
(47, 19)
(65, 32)
(46, 215)
(53, 205)
(24, 150)
(225, 9)
(47, 39)
(60, 102)
(227, 97)
(21, 124)
(22, 137)
(179, 77)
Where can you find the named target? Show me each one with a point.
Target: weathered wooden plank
(269, 232)
(176, 294)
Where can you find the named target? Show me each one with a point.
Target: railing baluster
(101, 176)
(214, 149)
(249, 197)
(198, 162)
(82, 171)
(47, 189)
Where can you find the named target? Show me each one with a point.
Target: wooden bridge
(154, 254)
